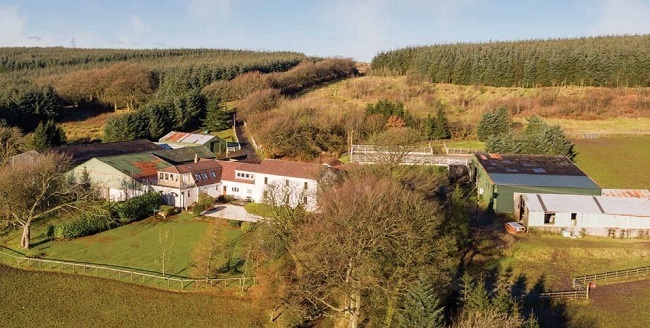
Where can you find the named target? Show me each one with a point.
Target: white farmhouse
(280, 181)
(180, 185)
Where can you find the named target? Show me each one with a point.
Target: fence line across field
(582, 285)
(133, 276)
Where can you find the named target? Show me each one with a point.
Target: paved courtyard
(231, 212)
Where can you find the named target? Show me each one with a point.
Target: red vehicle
(515, 228)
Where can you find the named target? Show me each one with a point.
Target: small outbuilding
(176, 139)
(589, 215)
(499, 176)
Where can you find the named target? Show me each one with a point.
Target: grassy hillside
(578, 109)
(41, 299)
(617, 162)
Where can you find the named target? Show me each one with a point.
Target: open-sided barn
(592, 215)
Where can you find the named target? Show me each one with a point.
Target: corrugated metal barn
(590, 215)
(499, 176)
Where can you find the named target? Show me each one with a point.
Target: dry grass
(579, 109)
(89, 128)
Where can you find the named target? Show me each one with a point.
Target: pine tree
(441, 128)
(48, 135)
(217, 117)
(420, 308)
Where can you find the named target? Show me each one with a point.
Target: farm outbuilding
(176, 139)
(499, 176)
(590, 215)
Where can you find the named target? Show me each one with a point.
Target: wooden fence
(459, 151)
(123, 274)
(580, 282)
(582, 285)
(567, 294)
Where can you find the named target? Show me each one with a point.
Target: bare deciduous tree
(33, 190)
(372, 239)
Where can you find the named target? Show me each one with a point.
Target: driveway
(231, 212)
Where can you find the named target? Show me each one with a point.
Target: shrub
(167, 211)
(205, 200)
(246, 227)
(225, 199)
(234, 223)
(197, 209)
(138, 207)
(85, 224)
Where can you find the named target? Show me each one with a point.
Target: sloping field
(578, 109)
(616, 162)
(40, 299)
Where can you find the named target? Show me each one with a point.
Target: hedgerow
(85, 224)
(137, 208)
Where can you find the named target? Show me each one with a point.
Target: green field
(616, 162)
(40, 299)
(138, 244)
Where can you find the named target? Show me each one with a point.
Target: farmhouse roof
(534, 170)
(184, 155)
(209, 172)
(84, 152)
(228, 171)
(286, 168)
(187, 138)
(555, 203)
(138, 166)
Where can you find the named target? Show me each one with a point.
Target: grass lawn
(228, 134)
(260, 209)
(136, 245)
(616, 162)
(43, 299)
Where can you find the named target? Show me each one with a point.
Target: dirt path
(247, 153)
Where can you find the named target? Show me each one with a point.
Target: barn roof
(534, 170)
(203, 173)
(187, 138)
(81, 153)
(184, 155)
(555, 203)
(138, 166)
(634, 193)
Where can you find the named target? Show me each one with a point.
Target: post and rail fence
(582, 284)
(148, 278)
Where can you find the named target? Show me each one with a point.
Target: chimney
(196, 158)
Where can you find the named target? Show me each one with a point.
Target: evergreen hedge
(137, 208)
(85, 224)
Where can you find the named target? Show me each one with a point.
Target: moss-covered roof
(184, 155)
(138, 166)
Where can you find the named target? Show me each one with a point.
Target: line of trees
(538, 137)
(610, 61)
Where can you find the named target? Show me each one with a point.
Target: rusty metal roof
(187, 138)
(528, 164)
(631, 193)
(138, 166)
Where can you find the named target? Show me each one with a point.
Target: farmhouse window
(266, 180)
(166, 176)
(212, 174)
(286, 182)
(204, 176)
(161, 176)
(235, 189)
(306, 185)
(574, 219)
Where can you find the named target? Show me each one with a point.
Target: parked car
(515, 228)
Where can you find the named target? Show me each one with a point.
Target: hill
(611, 61)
